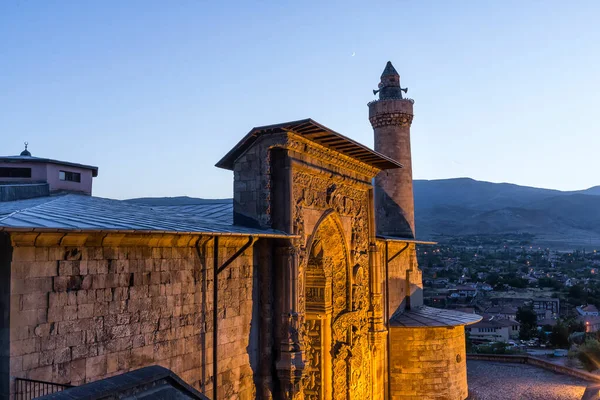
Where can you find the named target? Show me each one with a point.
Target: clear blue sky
(156, 92)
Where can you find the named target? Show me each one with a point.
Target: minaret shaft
(391, 118)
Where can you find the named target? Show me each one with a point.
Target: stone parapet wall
(428, 363)
(83, 313)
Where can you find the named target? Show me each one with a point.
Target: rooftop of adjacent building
(489, 321)
(501, 310)
(27, 157)
(589, 308)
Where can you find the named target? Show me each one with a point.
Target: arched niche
(328, 281)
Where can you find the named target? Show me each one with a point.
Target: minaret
(391, 117)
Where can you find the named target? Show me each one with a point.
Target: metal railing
(28, 389)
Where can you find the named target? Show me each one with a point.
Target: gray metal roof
(318, 133)
(74, 212)
(432, 317)
(148, 383)
(221, 212)
(31, 159)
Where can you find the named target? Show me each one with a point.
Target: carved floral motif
(312, 379)
(347, 295)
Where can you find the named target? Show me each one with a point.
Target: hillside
(464, 206)
(457, 207)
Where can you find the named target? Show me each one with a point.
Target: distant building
(440, 282)
(587, 310)
(503, 312)
(541, 305)
(25, 176)
(591, 322)
(486, 287)
(463, 291)
(494, 330)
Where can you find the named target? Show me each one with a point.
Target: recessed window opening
(12, 172)
(69, 176)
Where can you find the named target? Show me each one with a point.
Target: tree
(469, 343)
(589, 353)
(550, 282)
(575, 326)
(560, 335)
(576, 293)
(528, 320)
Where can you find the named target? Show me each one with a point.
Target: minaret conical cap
(389, 70)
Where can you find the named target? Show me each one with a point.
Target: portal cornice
(321, 153)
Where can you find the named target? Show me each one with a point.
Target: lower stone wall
(5, 258)
(428, 363)
(83, 313)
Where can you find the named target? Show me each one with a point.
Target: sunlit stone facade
(313, 311)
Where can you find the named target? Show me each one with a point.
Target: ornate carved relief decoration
(314, 150)
(349, 284)
(396, 119)
(341, 352)
(312, 380)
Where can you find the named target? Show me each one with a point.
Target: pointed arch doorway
(329, 332)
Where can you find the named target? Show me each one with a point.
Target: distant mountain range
(464, 206)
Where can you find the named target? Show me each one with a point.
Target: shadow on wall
(391, 219)
(253, 342)
(414, 299)
(5, 260)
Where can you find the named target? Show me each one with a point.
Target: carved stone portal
(338, 359)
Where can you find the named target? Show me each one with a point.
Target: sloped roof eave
(317, 133)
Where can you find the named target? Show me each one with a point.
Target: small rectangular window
(69, 176)
(6, 172)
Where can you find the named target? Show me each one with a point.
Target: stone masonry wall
(5, 257)
(394, 200)
(428, 363)
(83, 313)
(397, 276)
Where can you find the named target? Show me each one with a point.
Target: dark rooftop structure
(150, 383)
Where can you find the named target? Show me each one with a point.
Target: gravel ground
(507, 381)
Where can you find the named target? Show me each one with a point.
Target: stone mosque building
(304, 286)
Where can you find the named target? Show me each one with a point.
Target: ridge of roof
(317, 133)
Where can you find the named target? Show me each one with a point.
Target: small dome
(26, 153)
